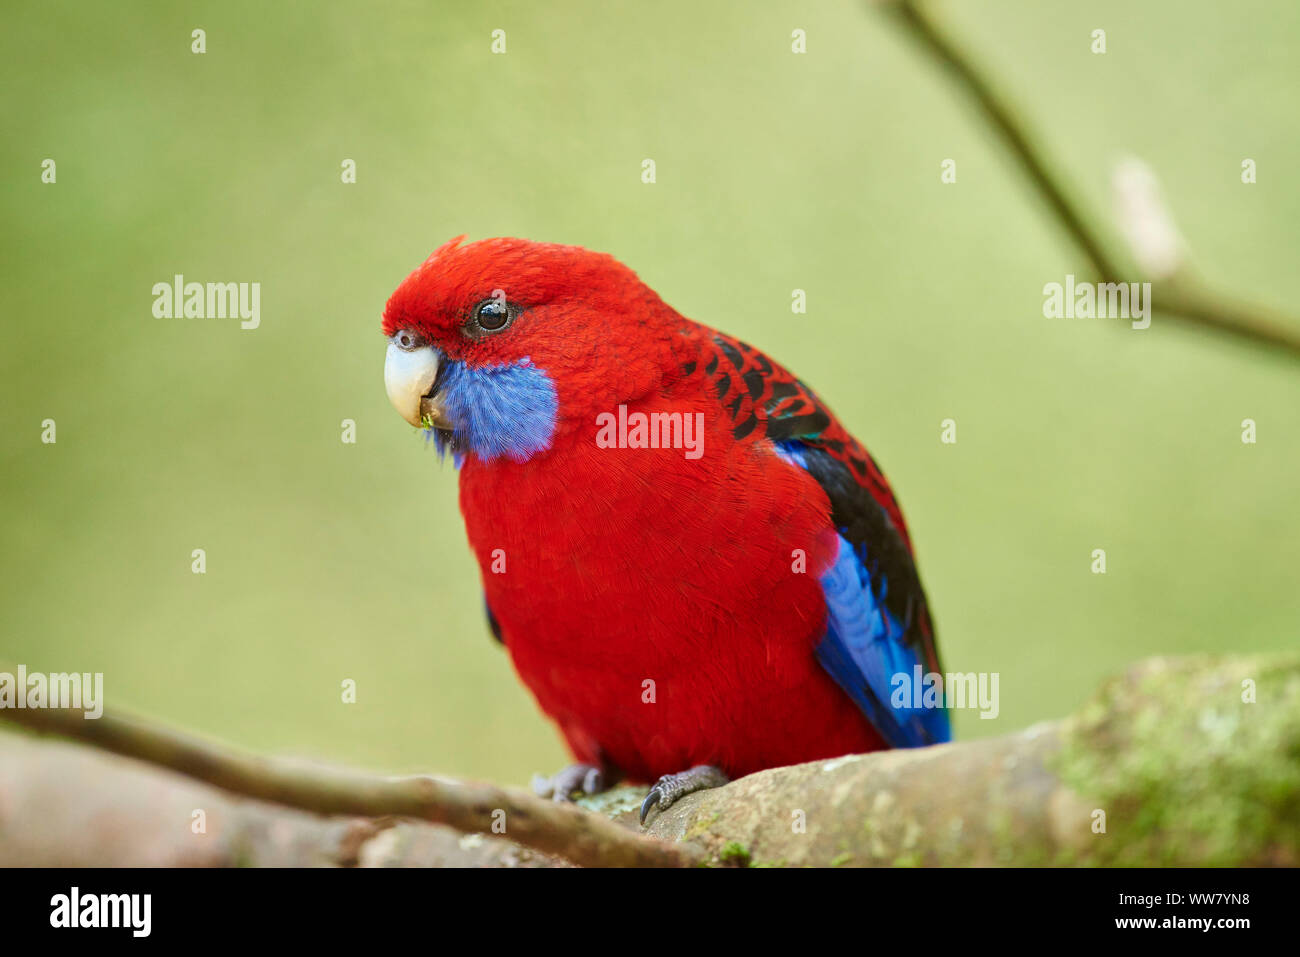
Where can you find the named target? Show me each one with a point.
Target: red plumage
(633, 566)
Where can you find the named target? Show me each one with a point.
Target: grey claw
(650, 800)
(576, 777)
(670, 787)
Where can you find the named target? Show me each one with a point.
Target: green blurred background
(328, 561)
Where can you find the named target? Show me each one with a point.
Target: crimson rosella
(696, 570)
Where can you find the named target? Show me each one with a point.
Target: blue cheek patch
(497, 411)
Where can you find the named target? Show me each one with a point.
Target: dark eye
(491, 315)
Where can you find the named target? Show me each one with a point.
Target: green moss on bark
(1186, 768)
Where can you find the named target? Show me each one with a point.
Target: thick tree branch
(1166, 765)
(1178, 761)
(1179, 298)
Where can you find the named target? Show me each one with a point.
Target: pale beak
(408, 377)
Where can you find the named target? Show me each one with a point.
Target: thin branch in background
(1178, 296)
(565, 830)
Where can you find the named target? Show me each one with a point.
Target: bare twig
(1177, 298)
(562, 829)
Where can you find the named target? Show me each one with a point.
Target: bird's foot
(670, 787)
(561, 786)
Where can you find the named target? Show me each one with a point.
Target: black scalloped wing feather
(766, 402)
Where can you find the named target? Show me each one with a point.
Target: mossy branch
(1186, 762)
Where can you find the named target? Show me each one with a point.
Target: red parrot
(694, 568)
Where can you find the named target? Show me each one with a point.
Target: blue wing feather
(865, 645)
(864, 648)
